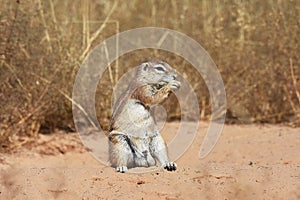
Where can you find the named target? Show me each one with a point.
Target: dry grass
(255, 46)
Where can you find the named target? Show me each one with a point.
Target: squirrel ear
(146, 66)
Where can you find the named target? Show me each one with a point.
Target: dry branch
(98, 32)
(294, 80)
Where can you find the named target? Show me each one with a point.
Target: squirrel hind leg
(159, 152)
(120, 153)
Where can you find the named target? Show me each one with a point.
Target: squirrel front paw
(174, 85)
(121, 169)
(170, 166)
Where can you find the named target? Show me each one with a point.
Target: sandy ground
(248, 162)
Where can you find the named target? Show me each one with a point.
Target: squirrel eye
(160, 68)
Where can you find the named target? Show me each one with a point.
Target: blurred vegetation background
(255, 46)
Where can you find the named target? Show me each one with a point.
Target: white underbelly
(135, 120)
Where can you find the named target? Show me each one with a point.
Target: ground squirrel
(134, 139)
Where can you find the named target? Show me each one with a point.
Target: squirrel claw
(174, 85)
(170, 166)
(121, 169)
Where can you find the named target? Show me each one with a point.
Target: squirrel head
(155, 72)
